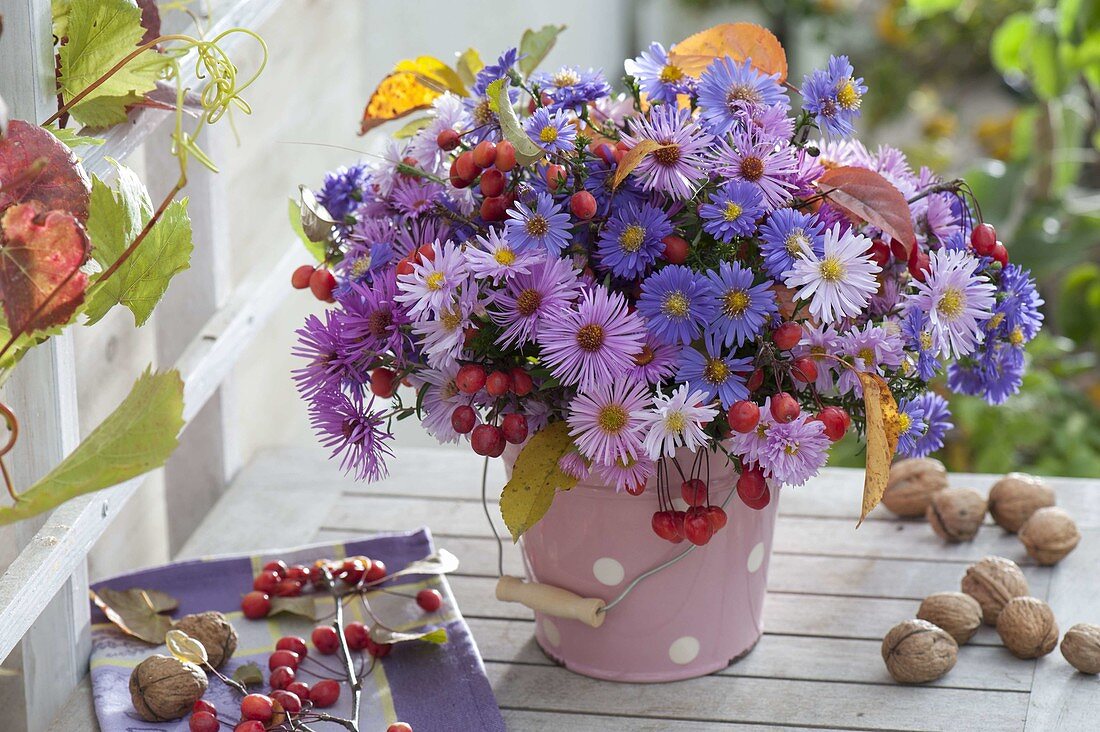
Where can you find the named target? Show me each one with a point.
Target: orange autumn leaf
(413, 85)
(632, 159)
(883, 428)
(739, 41)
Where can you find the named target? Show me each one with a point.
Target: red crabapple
(429, 600)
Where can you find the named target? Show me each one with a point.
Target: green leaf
(411, 127)
(527, 151)
(928, 8)
(534, 46)
(135, 438)
(248, 674)
(467, 66)
(115, 217)
(381, 635)
(100, 34)
(71, 139)
(1009, 40)
(535, 479)
(316, 248)
(303, 607)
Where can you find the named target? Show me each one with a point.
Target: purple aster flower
(807, 169)
(817, 341)
(885, 301)
(571, 88)
(1016, 316)
(631, 239)
(996, 375)
(766, 164)
(875, 349)
(732, 211)
(606, 421)
(363, 259)
(494, 258)
(545, 225)
(433, 282)
(937, 221)
(714, 374)
(839, 282)
(911, 426)
(833, 96)
(443, 335)
(742, 308)
(677, 304)
(629, 473)
(751, 446)
(529, 298)
(329, 362)
(488, 74)
(676, 421)
(413, 197)
(785, 234)
(551, 131)
(592, 342)
(447, 113)
(772, 123)
(656, 76)
(574, 465)
(414, 234)
(957, 299)
(371, 320)
(729, 91)
(920, 343)
(680, 163)
(353, 430)
(441, 396)
(598, 183)
(937, 419)
(655, 362)
(796, 450)
(343, 190)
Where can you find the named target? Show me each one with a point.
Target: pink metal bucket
(690, 619)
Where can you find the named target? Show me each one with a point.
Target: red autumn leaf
(739, 41)
(868, 197)
(150, 19)
(35, 165)
(40, 253)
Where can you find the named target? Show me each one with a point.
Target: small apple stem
(354, 681)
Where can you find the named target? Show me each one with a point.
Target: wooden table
(833, 593)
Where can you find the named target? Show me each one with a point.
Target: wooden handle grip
(551, 600)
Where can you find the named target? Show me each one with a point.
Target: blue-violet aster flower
(786, 233)
(631, 239)
(659, 78)
(551, 131)
(742, 307)
(677, 303)
(732, 211)
(833, 95)
(544, 225)
(714, 374)
(728, 91)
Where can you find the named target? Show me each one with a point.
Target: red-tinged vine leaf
(303, 607)
(868, 197)
(739, 41)
(248, 674)
(35, 165)
(40, 253)
(435, 635)
(632, 159)
(137, 612)
(882, 429)
(150, 19)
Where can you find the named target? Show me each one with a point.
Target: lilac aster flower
(838, 283)
(714, 374)
(343, 190)
(957, 299)
(371, 319)
(937, 221)
(551, 131)
(807, 169)
(433, 282)
(751, 446)
(443, 335)
(571, 88)
(732, 211)
(911, 426)
(920, 343)
(574, 465)
(874, 349)
(494, 258)
(631, 239)
(680, 163)
(676, 421)
(329, 362)
(528, 299)
(772, 123)
(606, 421)
(414, 197)
(817, 341)
(660, 79)
(593, 342)
(441, 396)
(545, 226)
(728, 92)
(750, 157)
(655, 362)
(353, 430)
(677, 304)
(363, 259)
(833, 96)
(742, 308)
(447, 113)
(627, 473)
(785, 234)
(937, 420)
(796, 450)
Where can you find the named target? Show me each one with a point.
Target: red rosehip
(514, 428)
(522, 384)
(606, 153)
(836, 422)
(751, 485)
(266, 581)
(351, 570)
(487, 440)
(583, 205)
(356, 634)
(664, 526)
(785, 408)
(288, 700)
(555, 176)
(743, 416)
(300, 279)
(787, 335)
(325, 639)
(636, 489)
(492, 183)
(485, 154)
(378, 650)
(203, 722)
(498, 383)
(694, 492)
(250, 725)
(495, 208)
(325, 693)
(755, 381)
(717, 518)
(463, 419)
(983, 239)
(697, 528)
(255, 605)
(506, 156)
(457, 180)
(676, 249)
(376, 571)
(399, 727)
(383, 382)
(880, 252)
(299, 689)
(1000, 254)
(470, 378)
(465, 166)
(429, 600)
(447, 139)
(283, 658)
(321, 284)
(202, 705)
(258, 707)
(281, 677)
(804, 369)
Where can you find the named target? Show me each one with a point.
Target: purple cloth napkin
(431, 687)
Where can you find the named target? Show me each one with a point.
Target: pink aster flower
(494, 258)
(957, 299)
(574, 465)
(432, 283)
(817, 341)
(680, 163)
(677, 421)
(874, 349)
(593, 342)
(838, 283)
(519, 308)
(443, 336)
(655, 362)
(750, 446)
(750, 156)
(606, 421)
(795, 451)
(627, 473)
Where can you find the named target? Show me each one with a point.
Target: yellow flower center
(451, 318)
(676, 305)
(716, 371)
(435, 281)
(996, 320)
(795, 241)
(360, 266)
(528, 302)
(867, 355)
(632, 237)
(742, 93)
(831, 269)
(537, 225)
(752, 168)
(566, 77)
(645, 357)
(732, 211)
(847, 96)
(1016, 337)
(925, 341)
(735, 302)
(951, 303)
(504, 256)
(675, 422)
(548, 134)
(902, 422)
(483, 113)
(590, 337)
(817, 350)
(670, 73)
(667, 155)
(612, 418)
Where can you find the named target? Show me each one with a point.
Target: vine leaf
(632, 159)
(72, 139)
(137, 612)
(413, 85)
(40, 253)
(116, 216)
(535, 479)
(135, 438)
(100, 34)
(739, 41)
(866, 196)
(527, 151)
(35, 165)
(303, 606)
(535, 45)
(882, 438)
(248, 674)
(382, 635)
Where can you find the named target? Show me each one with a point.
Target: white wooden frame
(44, 612)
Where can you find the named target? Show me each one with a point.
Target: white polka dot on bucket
(756, 557)
(684, 650)
(608, 571)
(553, 636)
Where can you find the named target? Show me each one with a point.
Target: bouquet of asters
(706, 259)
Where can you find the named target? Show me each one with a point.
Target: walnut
(912, 484)
(957, 613)
(917, 651)
(956, 514)
(1049, 535)
(1081, 647)
(163, 688)
(1013, 499)
(214, 632)
(992, 582)
(1027, 627)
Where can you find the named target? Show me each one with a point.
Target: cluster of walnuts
(1020, 504)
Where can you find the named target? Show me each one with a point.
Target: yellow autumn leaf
(739, 41)
(882, 428)
(434, 73)
(413, 85)
(632, 159)
(185, 648)
(535, 479)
